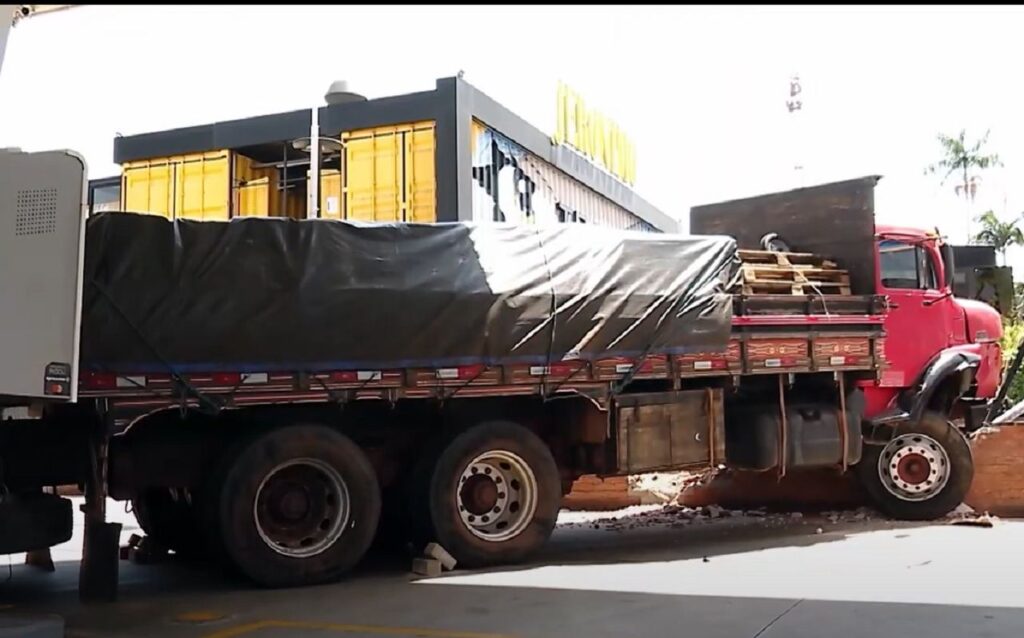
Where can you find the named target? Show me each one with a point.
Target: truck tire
(491, 497)
(297, 505)
(168, 521)
(922, 473)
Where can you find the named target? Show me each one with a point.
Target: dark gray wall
(836, 220)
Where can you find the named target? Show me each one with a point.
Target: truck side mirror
(948, 265)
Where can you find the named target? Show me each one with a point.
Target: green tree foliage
(962, 159)
(1013, 332)
(998, 234)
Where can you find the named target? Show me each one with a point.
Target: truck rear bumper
(32, 522)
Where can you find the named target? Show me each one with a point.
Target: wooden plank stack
(781, 273)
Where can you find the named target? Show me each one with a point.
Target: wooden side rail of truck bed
(762, 343)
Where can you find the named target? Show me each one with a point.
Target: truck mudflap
(35, 521)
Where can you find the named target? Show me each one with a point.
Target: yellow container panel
(203, 187)
(193, 186)
(420, 182)
(330, 193)
(146, 188)
(373, 164)
(253, 198)
(389, 174)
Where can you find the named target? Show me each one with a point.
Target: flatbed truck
(287, 476)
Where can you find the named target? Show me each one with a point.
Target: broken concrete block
(429, 567)
(433, 550)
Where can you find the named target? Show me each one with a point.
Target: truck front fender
(946, 378)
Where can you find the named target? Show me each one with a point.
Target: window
(104, 194)
(906, 266)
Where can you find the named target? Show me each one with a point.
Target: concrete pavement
(647, 574)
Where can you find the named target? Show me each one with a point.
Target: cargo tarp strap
(842, 419)
(482, 369)
(190, 390)
(635, 368)
(553, 317)
(783, 429)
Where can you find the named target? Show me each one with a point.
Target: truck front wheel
(297, 505)
(492, 495)
(922, 473)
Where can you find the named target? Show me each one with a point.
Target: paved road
(644, 575)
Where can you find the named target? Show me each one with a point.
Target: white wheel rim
(301, 508)
(496, 496)
(914, 467)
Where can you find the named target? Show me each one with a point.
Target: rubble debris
(435, 551)
(429, 567)
(142, 550)
(985, 520)
(962, 510)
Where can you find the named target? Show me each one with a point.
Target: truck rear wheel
(922, 473)
(297, 505)
(491, 497)
(169, 521)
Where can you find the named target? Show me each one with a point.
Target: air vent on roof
(338, 93)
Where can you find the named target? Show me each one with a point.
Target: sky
(701, 91)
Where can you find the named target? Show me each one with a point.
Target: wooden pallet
(767, 273)
(755, 272)
(785, 259)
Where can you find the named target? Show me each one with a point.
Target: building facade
(450, 154)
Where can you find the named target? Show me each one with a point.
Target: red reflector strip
(225, 378)
(461, 373)
(710, 364)
(99, 381)
(843, 360)
(353, 376)
(557, 370)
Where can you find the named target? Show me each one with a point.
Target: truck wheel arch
(944, 380)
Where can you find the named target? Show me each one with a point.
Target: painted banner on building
(594, 135)
(510, 184)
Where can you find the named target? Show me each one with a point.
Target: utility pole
(794, 105)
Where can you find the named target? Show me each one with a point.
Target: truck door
(42, 225)
(918, 325)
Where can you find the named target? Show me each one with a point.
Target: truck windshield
(905, 265)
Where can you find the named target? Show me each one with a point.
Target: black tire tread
(240, 471)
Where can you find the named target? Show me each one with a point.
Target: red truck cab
(942, 364)
(925, 321)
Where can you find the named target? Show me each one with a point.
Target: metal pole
(313, 209)
(283, 182)
(997, 403)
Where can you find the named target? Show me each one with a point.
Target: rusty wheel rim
(301, 508)
(496, 496)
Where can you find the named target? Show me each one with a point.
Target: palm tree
(998, 234)
(962, 159)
